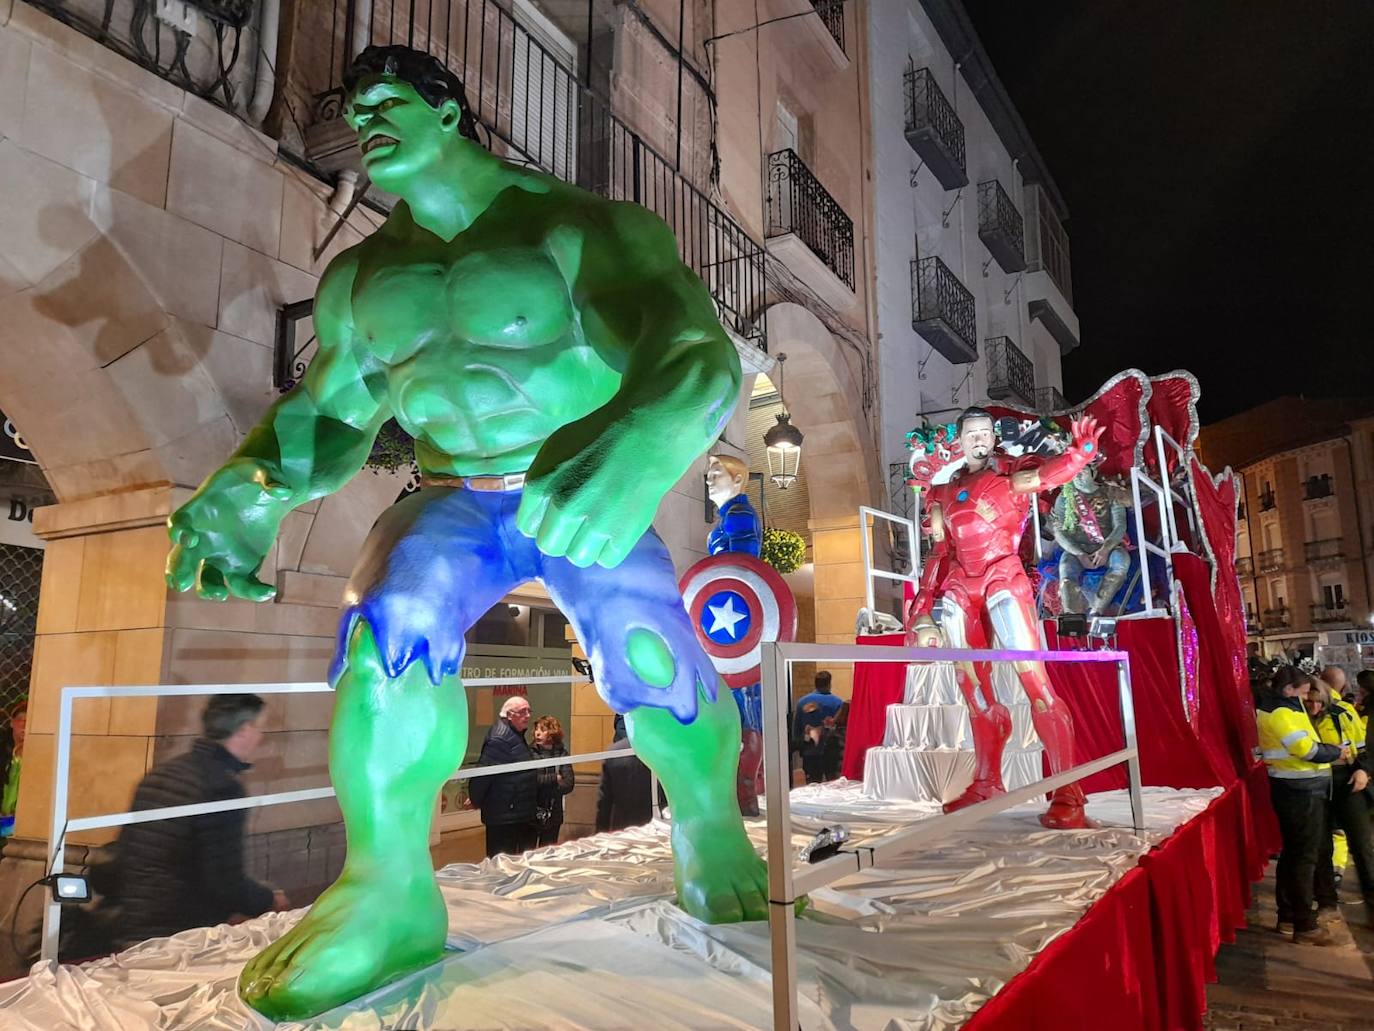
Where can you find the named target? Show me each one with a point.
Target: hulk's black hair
(425, 73)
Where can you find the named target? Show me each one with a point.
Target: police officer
(1299, 786)
(1337, 723)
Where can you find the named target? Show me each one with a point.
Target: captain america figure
(737, 530)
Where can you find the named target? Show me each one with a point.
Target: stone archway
(824, 396)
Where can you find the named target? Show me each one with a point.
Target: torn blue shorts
(437, 560)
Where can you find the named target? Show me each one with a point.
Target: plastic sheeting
(584, 935)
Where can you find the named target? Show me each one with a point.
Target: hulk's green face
(399, 134)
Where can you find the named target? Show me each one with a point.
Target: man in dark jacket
(507, 800)
(622, 799)
(188, 872)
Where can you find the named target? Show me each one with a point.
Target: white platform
(585, 935)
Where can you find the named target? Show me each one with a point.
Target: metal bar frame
(867, 545)
(62, 824)
(787, 882)
(1161, 440)
(1148, 547)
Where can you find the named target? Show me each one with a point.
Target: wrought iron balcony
(1048, 283)
(1275, 619)
(942, 311)
(203, 59)
(1049, 399)
(1011, 375)
(1268, 502)
(1270, 561)
(933, 129)
(1325, 615)
(1329, 549)
(800, 205)
(1000, 226)
(1245, 566)
(832, 16)
(534, 108)
(1317, 487)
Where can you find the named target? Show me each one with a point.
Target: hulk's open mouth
(380, 140)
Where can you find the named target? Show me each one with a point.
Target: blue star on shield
(726, 617)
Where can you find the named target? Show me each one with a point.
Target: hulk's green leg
(392, 745)
(719, 876)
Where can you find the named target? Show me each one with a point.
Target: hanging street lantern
(784, 443)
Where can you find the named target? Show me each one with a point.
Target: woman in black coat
(554, 781)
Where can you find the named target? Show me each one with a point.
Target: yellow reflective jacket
(1289, 743)
(1340, 724)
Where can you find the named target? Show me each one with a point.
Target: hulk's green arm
(681, 377)
(318, 435)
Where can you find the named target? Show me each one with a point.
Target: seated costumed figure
(974, 569)
(1090, 527)
(560, 370)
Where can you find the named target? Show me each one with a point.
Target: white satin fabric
(584, 935)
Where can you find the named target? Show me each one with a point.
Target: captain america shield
(736, 602)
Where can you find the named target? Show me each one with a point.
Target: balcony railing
(215, 61)
(534, 108)
(1245, 566)
(1326, 550)
(1275, 619)
(1271, 560)
(942, 311)
(1049, 246)
(1049, 399)
(832, 15)
(933, 129)
(1268, 502)
(1011, 375)
(1000, 226)
(799, 204)
(1324, 615)
(1317, 487)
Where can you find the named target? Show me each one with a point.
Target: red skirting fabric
(876, 686)
(1143, 954)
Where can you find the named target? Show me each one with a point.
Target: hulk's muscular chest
(479, 341)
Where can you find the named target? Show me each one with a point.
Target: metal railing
(529, 101)
(831, 13)
(206, 61)
(1325, 550)
(1010, 373)
(1049, 399)
(63, 824)
(1050, 250)
(1315, 488)
(1275, 619)
(1268, 501)
(1326, 614)
(929, 111)
(787, 881)
(1270, 560)
(797, 203)
(941, 304)
(1000, 226)
(1245, 566)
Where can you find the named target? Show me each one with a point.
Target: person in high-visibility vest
(1337, 723)
(1299, 786)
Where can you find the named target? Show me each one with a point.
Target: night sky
(1216, 159)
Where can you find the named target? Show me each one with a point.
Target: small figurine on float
(974, 569)
(1090, 528)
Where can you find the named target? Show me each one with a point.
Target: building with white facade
(974, 292)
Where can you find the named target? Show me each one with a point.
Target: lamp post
(784, 443)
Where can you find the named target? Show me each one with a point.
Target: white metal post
(782, 919)
(57, 838)
(1123, 684)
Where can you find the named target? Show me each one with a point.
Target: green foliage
(784, 550)
(394, 449)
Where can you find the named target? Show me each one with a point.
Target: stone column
(840, 592)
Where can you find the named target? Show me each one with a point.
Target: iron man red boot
(1054, 726)
(747, 780)
(991, 728)
(1066, 811)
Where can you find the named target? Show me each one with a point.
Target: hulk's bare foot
(719, 877)
(360, 934)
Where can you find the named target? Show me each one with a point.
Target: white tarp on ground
(584, 935)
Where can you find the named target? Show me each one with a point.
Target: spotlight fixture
(1072, 624)
(68, 888)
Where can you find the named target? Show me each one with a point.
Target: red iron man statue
(976, 522)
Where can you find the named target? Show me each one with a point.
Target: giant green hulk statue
(560, 369)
